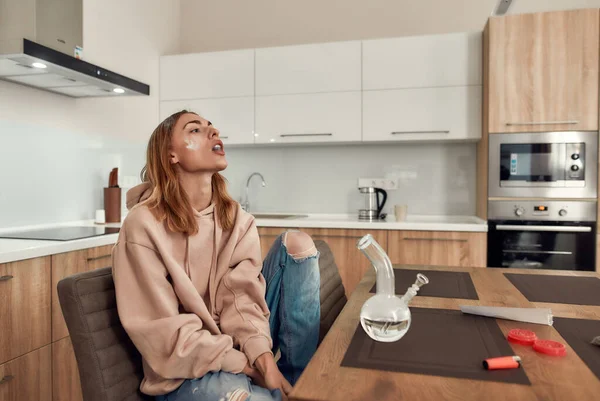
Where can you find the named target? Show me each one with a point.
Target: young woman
(191, 292)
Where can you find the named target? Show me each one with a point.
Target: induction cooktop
(62, 233)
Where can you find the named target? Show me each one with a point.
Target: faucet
(246, 205)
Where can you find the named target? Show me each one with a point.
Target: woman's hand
(271, 376)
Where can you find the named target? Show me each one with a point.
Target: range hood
(37, 48)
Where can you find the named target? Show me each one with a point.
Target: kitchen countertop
(16, 249)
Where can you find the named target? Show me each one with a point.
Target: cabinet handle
(539, 252)
(224, 137)
(98, 258)
(434, 239)
(571, 122)
(316, 134)
(6, 379)
(5, 278)
(419, 132)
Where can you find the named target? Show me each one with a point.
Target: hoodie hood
(138, 194)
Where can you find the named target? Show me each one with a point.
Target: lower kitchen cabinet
(67, 264)
(438, 248)
(66, 385)
(268, 235)
(24, 307)
(352, 264)
(28, 377)
(598, 253)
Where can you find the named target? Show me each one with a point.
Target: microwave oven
(543, 165)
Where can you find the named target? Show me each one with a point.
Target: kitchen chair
(110, 367)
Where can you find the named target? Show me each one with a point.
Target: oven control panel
(542, 210)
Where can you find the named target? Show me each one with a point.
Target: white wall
(434, 178)
(209, 25)
(56, 152)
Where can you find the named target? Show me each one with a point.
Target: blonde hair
(168, 199)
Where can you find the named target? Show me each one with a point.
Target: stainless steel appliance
(542, 234)
(38, 40)
(543, 165)
(373, 204)
(62, 233)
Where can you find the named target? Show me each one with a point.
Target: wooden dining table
(552, 378)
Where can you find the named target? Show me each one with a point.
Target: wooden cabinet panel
(351, 263)
(66, 385)
(543, 72)
(24, 307)
(28, 377)
(437, 248)
(268, 235)
(67, 264)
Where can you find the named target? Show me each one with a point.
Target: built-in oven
(559, 235)
(543, 165)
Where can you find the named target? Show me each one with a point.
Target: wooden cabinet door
(66, 385)
(352, 264)
(543, 72)
(24, 307)
(437, 248)
(67, 264)
(268, 235)
(28, 377)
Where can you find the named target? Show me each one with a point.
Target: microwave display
(542, 162)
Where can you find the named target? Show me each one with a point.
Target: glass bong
(386, 317)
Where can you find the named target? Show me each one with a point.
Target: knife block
(112, 204)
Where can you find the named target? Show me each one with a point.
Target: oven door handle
(538, 252)
(559, 229)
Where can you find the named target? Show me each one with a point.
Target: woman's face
(195, 145)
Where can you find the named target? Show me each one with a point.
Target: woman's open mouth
(218, 148)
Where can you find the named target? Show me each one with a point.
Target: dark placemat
(440, 342)
(442, 284)
(557, 289)
(578, 333)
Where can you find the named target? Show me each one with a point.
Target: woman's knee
(299, 244)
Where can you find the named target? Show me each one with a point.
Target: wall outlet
(384, 183)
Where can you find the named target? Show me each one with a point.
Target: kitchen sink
(278, 216)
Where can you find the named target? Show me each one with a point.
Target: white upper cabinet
(315, 68)
(233, 117)
(309, 118)
(422, 114)
(207, 75)
(422, 61)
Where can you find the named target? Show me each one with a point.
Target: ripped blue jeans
(292, 294)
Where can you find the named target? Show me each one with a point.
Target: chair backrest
(333, 296)
(110, 367)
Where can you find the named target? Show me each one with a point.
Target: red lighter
(503, 362)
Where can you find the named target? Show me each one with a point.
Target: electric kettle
(373, 203)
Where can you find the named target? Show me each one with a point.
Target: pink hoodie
(190, 304)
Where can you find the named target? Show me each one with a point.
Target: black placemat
(557, 289)
(578, 333)
(440, 342)
(442, 284)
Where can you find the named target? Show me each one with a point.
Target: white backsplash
(50, 175)
(434, 178)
